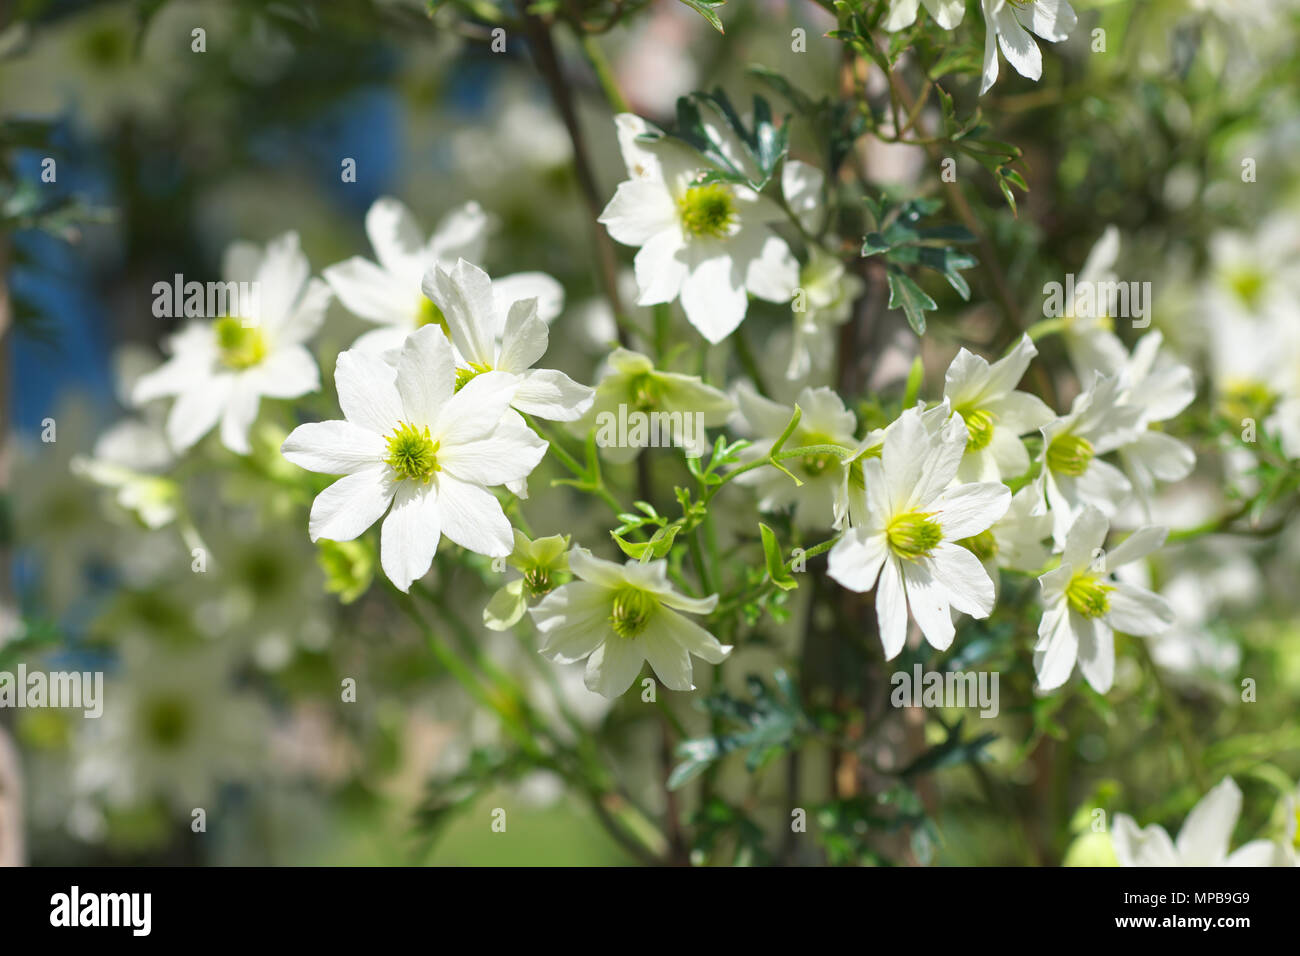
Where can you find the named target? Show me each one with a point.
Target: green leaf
(772, 557)
(705, 9)
(907, 295)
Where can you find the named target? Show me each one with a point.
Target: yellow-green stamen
(1069, 454)
(241, 346)
(412, 453)
(1087, 594)
(466, 375)
(631, 611)
(914, 535)
(979, 428)
(983, 545)
(708, 211)
(430, 314)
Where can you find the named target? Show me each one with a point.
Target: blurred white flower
(1161, 388)
(221, 370)
(390, 294)
(1203, 840)
(902, 13)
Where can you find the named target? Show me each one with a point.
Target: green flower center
(914, 535)
(241, 346)
(979, 428)
(167, 722)
(1086, 593)
(1247, 285)
(466, 375)
(1244, 398)
(646, 392)
(537, 580)
(632, 611)
(1069, 454)
(815, 465)
(984, 546)
(412, 453)
(430, 314)
(707, 212)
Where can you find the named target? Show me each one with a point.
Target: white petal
(902, 13)
(367, 390)
(552, 395)
(351, 505)
(1017, 45)
(1050, 19)
(525, 338)
(573, 620)
(280, 277)
(395, 235)
(640, 210)
(464, 294)
(714, 299)
(670, 661)
(1137, 545)
(965, 510)
(596, 570)
(1134, 610)
(426, 375)
(1086, 536)
(197, 410)
(1057, 648)
(530, 285)
(968, 585)
(368, 292)
(239, 414)
(288, 372)
(856, 558)
(409, 538)
(891, 609)
(1149, 847)
(693, 637)
(472, 517)
(990, 72)
(1204, 838)
(507, 453)
(929, 604)
(660, 268)
(1096, 652)
(473, 412)
(613, 667)
(947, 13)
(333, 448)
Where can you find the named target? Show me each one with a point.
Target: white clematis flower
(912, 521)
(490, 339)
(1160, 390)
(902, 13)
(996, 415)
(219, 371)
(618, 616)
(1073, 476)
(412, 441)
(1203, 840)
(825, 421)
(388, 293)
(1085, 605)
(1008, 24)
(707, 242)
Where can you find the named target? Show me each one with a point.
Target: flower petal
(367, 390)
(891, 609)
(409, 537)
(426, 375)
(472, 517)
(613, 667)
(333, 448)
(351, 505)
